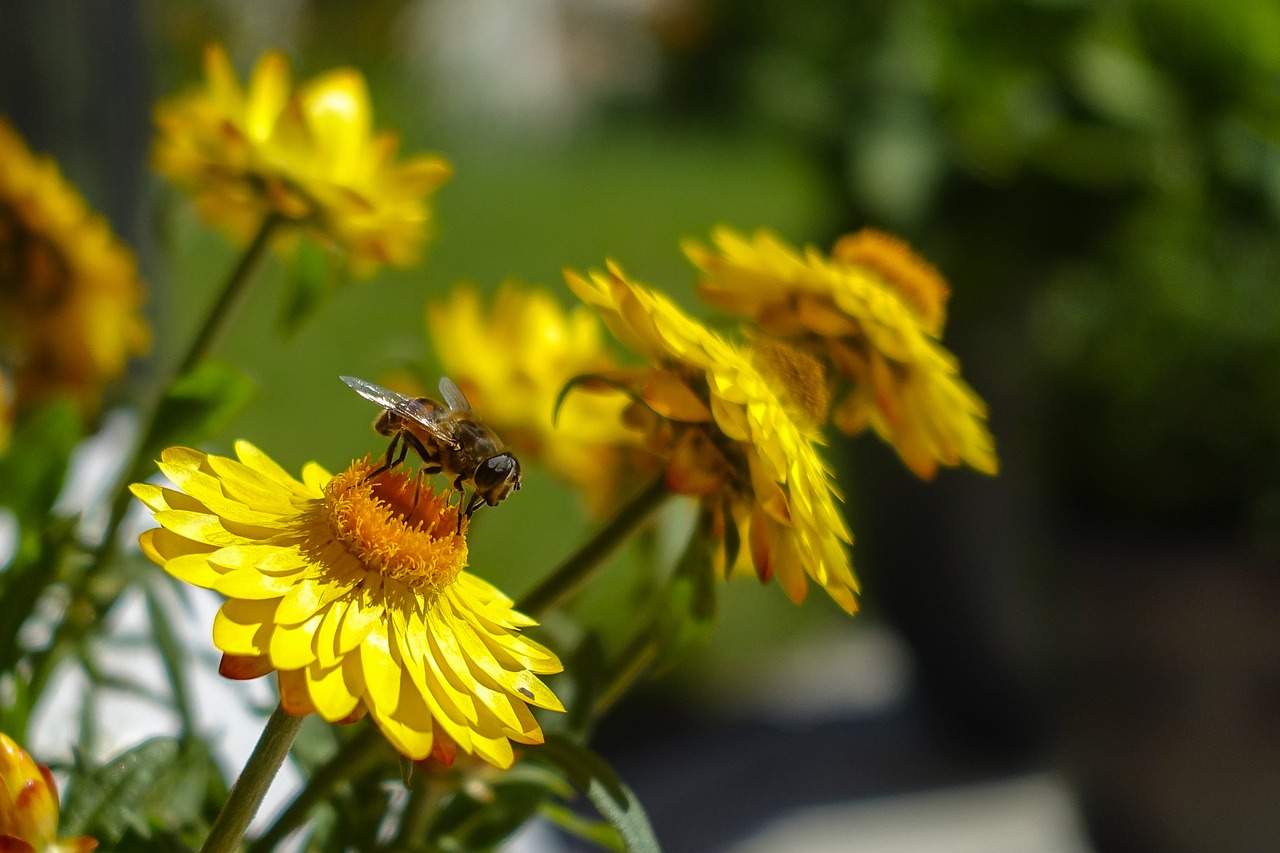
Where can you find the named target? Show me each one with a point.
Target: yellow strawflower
(728, 437)
(29, 806)
(69, 290)
(308, 155)
(353, 590)
(513, 359)
(872, 312)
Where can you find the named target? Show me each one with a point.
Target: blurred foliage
(1102, 176)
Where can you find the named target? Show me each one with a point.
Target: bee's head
(497, 477)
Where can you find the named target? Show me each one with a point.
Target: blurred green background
(1099, 181)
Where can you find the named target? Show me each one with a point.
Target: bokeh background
(1084, 652)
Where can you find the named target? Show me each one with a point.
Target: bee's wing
(384, 397)
(453, 396)
(421, 410)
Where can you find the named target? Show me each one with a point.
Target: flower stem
(359, 754)
(569, 576)
(247, 793)
(630, 665)
(234, 290)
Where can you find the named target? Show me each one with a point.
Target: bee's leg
(417, 489)
(411, 440)
(387, 464)
(477, 501)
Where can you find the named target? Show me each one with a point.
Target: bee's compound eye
(497, 476)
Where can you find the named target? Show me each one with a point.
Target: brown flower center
(915, 279)
(34, 278)
(396, 525)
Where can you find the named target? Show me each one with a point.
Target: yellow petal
(381, 674)
(335, 691)
(291, 646)
(243, 627)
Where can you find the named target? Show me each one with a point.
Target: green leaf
(161, 784)
(33, 470)
(172, 654)
(471, 823)
(198, 406)
(688, 605)
(311, 276)
(592, 775)
(598, 833)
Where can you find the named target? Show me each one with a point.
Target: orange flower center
(396, 525)
(917, 280)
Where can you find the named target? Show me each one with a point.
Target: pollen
(796, 374)
(889, 257)
(396, 525)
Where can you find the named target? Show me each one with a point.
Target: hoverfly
(449, 438)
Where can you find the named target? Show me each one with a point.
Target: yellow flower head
(729, 438)
(873, 312)
(353, 590)
(513, 360)
(29, 806)
(69, 290)
(307, 155)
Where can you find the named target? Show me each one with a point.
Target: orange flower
(29, 806)
(872, 313)
(69, 289)
(727, 437)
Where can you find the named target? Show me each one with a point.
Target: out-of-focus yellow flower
(513, 360)
(728, 437)
(29, 806)
(307, 155)
(353, 590)
(69, 290)
(873, 311)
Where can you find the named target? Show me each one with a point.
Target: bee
(450, 438)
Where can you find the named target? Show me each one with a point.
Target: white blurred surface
(1031, 814)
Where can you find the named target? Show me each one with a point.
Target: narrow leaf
(592, 775)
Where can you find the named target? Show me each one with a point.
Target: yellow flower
(69, 290)
(873, 312)
(512, 363)
(307, 155)
(29, 806)
(727, 437)
(353, 591)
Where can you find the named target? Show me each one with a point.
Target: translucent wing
(420, 410)
(384, 397)
(453, 396)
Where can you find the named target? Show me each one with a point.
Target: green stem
(218, 320)
(569, 576)
(630, 665)
(247, 793)
(358, 755)
(88, 603)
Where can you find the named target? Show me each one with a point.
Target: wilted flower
(873, 312)
(29, 806)
(513, 360)
(353, 589)
(69, 290)
(309, 156)
(728, 438)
